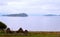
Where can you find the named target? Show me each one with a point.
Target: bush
(26, 32)
(2, 26)
(20, 30)
(8, 29)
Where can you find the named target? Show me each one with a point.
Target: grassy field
(33, 34)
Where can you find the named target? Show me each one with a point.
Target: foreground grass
(33, 34)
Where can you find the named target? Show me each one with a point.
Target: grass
(33, 34)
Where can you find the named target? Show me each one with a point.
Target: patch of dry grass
(34, 34)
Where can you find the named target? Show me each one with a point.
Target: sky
(30, 6)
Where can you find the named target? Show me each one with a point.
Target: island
(51, 15)
(17, 15)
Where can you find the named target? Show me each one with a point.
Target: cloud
(31, 6)
(3, 3)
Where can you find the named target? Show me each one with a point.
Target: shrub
(2, 26)
(8, 30)
(26, 32)
(20, 30)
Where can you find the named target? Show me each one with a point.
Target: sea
(32, 23)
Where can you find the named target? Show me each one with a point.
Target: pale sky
(30, 6)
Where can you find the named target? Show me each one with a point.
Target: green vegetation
(34, 34)
(2, 26)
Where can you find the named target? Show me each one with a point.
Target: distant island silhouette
(17, 15)
(51, 15)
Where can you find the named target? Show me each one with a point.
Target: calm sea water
(33, 23)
